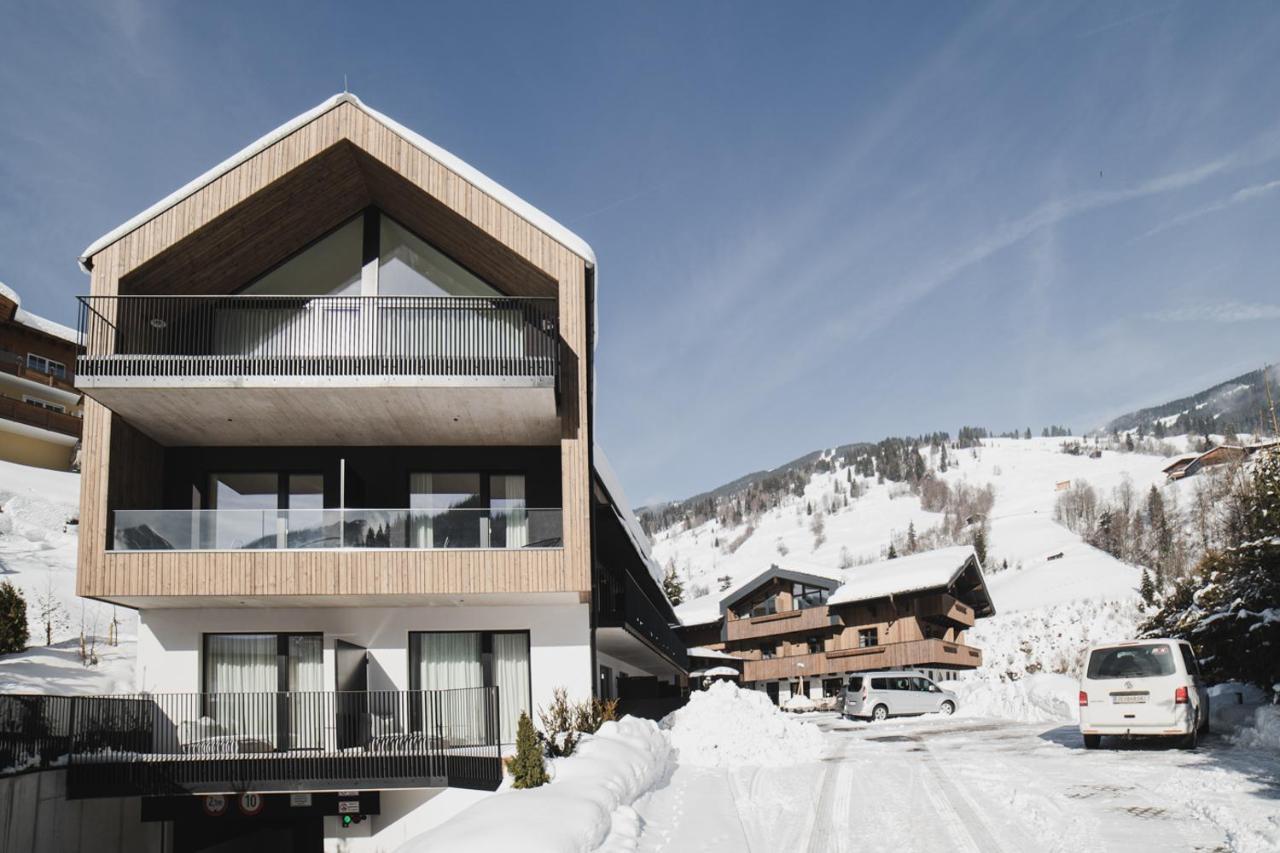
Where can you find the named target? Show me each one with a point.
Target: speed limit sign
(215, 805)
(250, 804)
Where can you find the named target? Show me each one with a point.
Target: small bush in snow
(565, 722)
(13, 619)
(526, 767)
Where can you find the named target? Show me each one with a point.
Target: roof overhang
(774, 572)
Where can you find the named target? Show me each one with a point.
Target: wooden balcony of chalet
(926, 653)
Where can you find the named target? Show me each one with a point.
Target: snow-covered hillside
(39, 510)
(1026, 476)
(1057, 596)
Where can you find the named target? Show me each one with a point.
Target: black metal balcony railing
(35, 731)
(194, 743)
(621, 601)
(221, 336)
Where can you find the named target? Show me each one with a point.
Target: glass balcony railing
(290, 529)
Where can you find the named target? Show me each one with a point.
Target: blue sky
(816, 223)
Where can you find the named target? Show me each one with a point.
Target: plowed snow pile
(725, 726)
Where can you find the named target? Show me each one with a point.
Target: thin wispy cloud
(1247, 194)
(1218, 312)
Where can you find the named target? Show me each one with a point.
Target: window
(923, 685)
(468, 510)
(855, 683)
(814, 644)
(328, 267)
(868, 637)
(805, 596)
(453, 660)
(36, 401)
(46, 365)
(1131, 662)
(767, 652)
(266, 509)
(1189, 658)
(409, 266)
(252, 668)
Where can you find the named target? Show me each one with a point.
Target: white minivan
(880, 695)
(1143, 688)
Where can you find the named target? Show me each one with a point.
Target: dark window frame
(486, 656)
(868, 633)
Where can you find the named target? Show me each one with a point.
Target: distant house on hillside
(1223, 454)
(813, 625)
(1177, 469)
(40, 407)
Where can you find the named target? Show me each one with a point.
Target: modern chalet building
(39, 404)
(816, 625)
(339, 457)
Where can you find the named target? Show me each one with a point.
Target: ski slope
(1025, 475)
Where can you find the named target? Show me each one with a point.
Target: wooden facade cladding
(774, 624)
(177, 251)
(919, 653)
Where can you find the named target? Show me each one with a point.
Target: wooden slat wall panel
(541, 259)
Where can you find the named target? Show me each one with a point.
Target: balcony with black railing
(191, 743)
(179, 366)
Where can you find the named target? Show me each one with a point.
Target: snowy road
(975, 785)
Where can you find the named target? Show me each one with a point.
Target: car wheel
(1204, 726)
(947, 709)
(880, 713)
(1192, 739)
(1092, 741)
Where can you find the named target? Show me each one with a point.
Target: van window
(1193, 667)
(879, 684)
(923, 685)
(1131, 662)
(855, 683)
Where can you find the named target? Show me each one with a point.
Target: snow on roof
(629, 522)
(725, 671)
(700, 652)
(486, 184)
(703, 610)
(794, 567)
(34, 321)
(927, 570)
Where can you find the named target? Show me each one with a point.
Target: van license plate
(1128, 700)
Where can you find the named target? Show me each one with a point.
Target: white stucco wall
(169, 641)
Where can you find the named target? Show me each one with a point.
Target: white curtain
(448, 662)
(507, 507)
(307, 717)
(511, 675)
(421, 533)
(244, 664)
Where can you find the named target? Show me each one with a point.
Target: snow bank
(799, 703)
(1044, 697)
(726, 726)
(1265, 731)
(586, 807)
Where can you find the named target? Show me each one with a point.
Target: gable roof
(536, 217)
(814, 576)
(915, 573)
(24, 317)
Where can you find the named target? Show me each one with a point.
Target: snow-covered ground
(39, 513)
(947, 784)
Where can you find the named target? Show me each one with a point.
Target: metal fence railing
(174, 743)
(218, 336)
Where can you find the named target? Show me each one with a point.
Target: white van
(1143, 688)
(880, 695)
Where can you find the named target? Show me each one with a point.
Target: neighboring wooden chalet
(818, 625)
(40, 408)
(1223, 454)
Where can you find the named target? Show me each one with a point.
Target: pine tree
(980, 546)
(893, 552)
(672, 585)
(526, 766)
(1224, 606)
(13, 619)
(912, 544)
(1147, 589)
